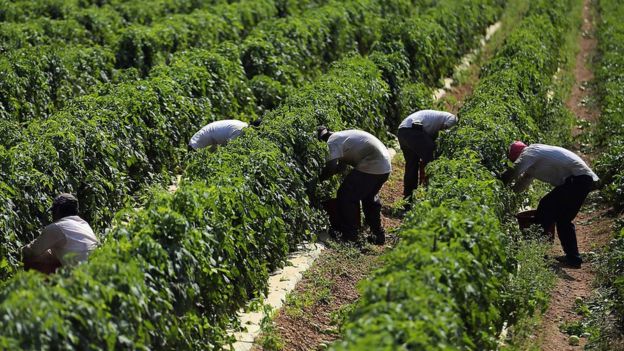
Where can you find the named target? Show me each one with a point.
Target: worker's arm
(331, 167)
(522, 183)
(50, 237)
(507, 176)
(521, 169)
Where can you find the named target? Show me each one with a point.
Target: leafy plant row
(55, 61)
(609, 166)
(610, 76)
(106, 146)
(133, 11)
(447, 284)
(178, 268)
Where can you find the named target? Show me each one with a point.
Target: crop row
(610, 78)
(446, 284)
(610, 165)
(106, 146)
(138, 11)
(46, 65)
(204, 251)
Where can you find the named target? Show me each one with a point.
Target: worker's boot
(379, 237)
(570, 261)
(350, 236)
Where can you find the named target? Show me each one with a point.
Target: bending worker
(572, 179)
(371, 161)
(417, 135)
(218, 133)
(67, 241)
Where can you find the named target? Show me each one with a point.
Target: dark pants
(359, 186)
(416, 146)
(560, 206)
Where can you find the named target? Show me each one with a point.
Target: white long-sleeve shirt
(217, 133)
(70, 239)
(432, 121)
(360, 150)
(550, 164)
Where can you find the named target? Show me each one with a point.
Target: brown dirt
(455, 98)
(593, 231)
(314, 327)
(306, 326)
(593, 225)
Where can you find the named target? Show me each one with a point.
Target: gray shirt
(550, 164)
(360, 150)
(432, 121)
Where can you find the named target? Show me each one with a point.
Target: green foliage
(198, 255)
(609, 166)
(36, 81)
(449, 284)
(610, 75)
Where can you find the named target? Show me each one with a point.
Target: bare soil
(593, 228)
(310, 318)
(593, 223)
(316, 325)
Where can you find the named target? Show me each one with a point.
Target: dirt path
(312, 314)
(313, 311)
(309, 320)
(592, 224)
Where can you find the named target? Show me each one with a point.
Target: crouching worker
(417, 134)
(219, 133)
(67, 241)
(371, 162)
(572, 179)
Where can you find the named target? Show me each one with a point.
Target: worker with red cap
(572, 180)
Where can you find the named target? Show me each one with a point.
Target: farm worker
(570, 176)
(417, 135)
(371, 162)
(218, 133)
(67, 241)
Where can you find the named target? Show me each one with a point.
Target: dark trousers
(560, 206)
(416, 146)
(359, 186)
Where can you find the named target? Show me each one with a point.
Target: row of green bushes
(610, 78)
(205, 250)
(610, 165)
(447, 283)
(133, 11)
(106, 146)
(59, 61)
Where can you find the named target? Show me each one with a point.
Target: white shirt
(70, 240)
(550, 164)
(432, 121)
(217, 133)
(360, 150)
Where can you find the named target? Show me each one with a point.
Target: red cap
(515, 149)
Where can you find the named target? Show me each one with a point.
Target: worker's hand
(331, 168)
(506, 176)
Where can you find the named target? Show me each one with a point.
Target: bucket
(331, 207)
(527, 219)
